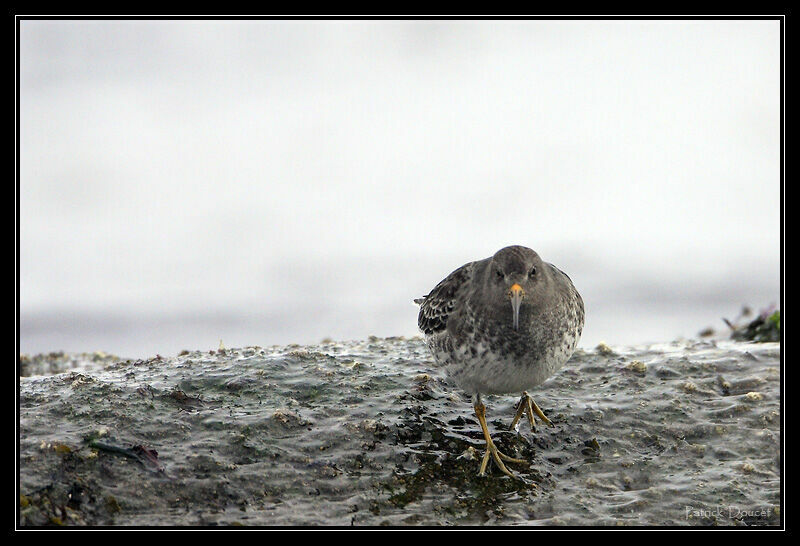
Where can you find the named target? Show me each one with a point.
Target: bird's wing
(573, 290)
(437, 306)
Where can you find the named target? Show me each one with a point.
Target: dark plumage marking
(436, 307)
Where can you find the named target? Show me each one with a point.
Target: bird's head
(517, 275)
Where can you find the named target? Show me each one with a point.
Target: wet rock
(372, 433)
(57, 362)
(666, 372)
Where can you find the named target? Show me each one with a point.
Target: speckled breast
(482, 360)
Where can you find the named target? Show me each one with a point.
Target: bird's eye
(532, 272)
(500, 274)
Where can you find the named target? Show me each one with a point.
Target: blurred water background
(267, 182)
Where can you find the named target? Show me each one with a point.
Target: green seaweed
(763, 329)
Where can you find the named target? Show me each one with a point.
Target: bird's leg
(522, 405)
(539, 412)
(491, 449)
(528, 406)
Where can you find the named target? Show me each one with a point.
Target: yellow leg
(491, 449)
(528, 406)
(539, 412)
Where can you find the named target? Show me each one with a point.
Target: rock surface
(371, 433)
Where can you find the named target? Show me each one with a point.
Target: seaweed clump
(766, 327)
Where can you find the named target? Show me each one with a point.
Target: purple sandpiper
(502, 325)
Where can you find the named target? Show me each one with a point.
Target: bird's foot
(491, 449)
(527, 406)
(498, 457)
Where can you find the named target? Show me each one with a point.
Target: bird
(502, 325)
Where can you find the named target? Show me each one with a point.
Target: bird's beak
(516, 293)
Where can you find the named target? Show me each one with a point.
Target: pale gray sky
(287, 181)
